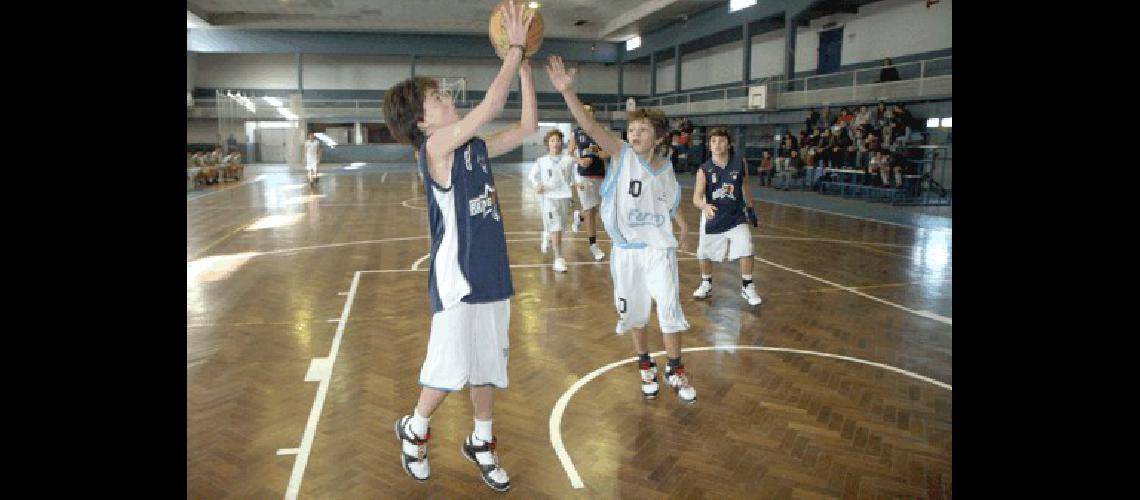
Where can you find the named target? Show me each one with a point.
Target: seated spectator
(892, 163)
(827, 118)
(812, 119)
(881, 118)
(863, 119)
(845, 117)
(793, 170)
(233, 168)
(889, 73)
(808, 163)
(765, 169)
(901, 122)
(874, 167)
(853, 160)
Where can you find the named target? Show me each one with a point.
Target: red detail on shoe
(644, 365)
(491, 444)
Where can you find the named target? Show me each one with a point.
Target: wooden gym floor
(307, 320)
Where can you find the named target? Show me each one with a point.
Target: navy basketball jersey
(724, 188)
(597, 167)
(478, 236)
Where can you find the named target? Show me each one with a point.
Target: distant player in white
(722, 194)
(640, 194)
(552, 176)
(312, 153)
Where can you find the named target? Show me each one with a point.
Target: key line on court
(294, 487)
(923, 314)
(555, 423)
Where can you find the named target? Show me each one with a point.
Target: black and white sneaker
(648, 372)
(487, 459)
(414, 450)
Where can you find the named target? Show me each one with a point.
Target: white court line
(560, 405)
(909, 226)
(259, 178)
(287, 451)
(383, 177)
(319, 402)
(416, 264)
(924, 314)
(513, 266)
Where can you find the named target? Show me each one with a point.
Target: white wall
(897, 27)
(355, 72)
(712, 66)
(202, 131)
(888, 28)
(636, 79)
(264, 71)
(768, 52)
(665, 77)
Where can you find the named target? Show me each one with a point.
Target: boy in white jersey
(312, 154)
(469, 282)
(552, 177)
(722, 194)
(640, 194)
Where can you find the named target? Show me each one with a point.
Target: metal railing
(928, 77)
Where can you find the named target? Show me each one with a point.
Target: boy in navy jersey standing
(721, 193)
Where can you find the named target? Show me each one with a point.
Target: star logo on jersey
(725, 191)
(484, 204)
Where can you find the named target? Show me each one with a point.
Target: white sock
(746, 277)
(482, 431)
(706, 276)
(418, 424)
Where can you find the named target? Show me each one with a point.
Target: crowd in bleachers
(207, 168)
(864, 139)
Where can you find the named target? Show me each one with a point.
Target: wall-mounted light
(948, 122)
(633, 43)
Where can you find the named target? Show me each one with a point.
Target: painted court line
(560, 405)
(259, 178)
(909, 226)
(287, 451)
(324, 371)
(923, 314)
(416, 264)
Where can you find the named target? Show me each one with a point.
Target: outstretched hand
(516, 22)
(562, 78)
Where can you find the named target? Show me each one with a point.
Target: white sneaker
(415, 450)
(560, 265)
(598, 253)
(749, 294)
(577, 221)
(545, 242)
(704, 290)
(680, 383)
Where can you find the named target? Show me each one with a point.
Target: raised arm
(508, 139)
(563, 80)
(452, 136)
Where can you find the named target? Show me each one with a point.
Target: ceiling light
(735, 5)
(633, 43)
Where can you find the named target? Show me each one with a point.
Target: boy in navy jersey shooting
(469, 281)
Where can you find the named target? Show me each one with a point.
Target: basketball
(498, 32)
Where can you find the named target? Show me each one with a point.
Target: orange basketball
(498, 32)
